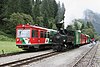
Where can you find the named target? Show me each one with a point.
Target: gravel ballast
(60, 60)
(22, 56)
(96, 60)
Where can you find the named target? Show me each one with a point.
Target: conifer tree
(36, 10)
(26, 6)
(60, 13)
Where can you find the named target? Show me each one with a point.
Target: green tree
(1, 11)
(3, 14)
(36, 10)
(79, 24)
(15, 19)
(48, 10)
(54, 27)
(32, 2)
(83, 26)
(60, 13)
(51, 23)
(39, 21)
(70, 27)
(90, 25)
(11, 7)
(26, 6)
(76, 25)
(90, 32)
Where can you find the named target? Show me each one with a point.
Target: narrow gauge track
(16, 53)
(86, 59)
(11, 54)
(28, 60)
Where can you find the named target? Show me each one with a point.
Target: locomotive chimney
(60, 25)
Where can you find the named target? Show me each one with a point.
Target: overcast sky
(75, 8)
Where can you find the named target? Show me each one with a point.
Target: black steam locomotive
(65, 39)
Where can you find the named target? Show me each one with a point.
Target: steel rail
(25, 61)
(11, 54)
(89, 65)
(77, 61)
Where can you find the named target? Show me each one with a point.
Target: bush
(2, 33)
(5, 38)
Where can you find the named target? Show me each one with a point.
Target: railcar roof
(52, 30)
(33, 26)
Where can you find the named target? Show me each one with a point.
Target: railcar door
(77, 37)
(82, 39)
(35, 36)
(85, 39)
(42, 37)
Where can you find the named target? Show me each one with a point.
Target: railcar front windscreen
(23, 33)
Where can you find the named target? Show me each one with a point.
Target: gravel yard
(60, 60)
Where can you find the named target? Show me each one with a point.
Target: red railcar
(32, 37)
(83, 40)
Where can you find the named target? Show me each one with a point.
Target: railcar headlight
(17, 39)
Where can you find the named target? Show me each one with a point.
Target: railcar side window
(41, 34)
(47, 35)
(23, 33)
(34, 33)
(44, 34)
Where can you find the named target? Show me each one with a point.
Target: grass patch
(8, 47)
